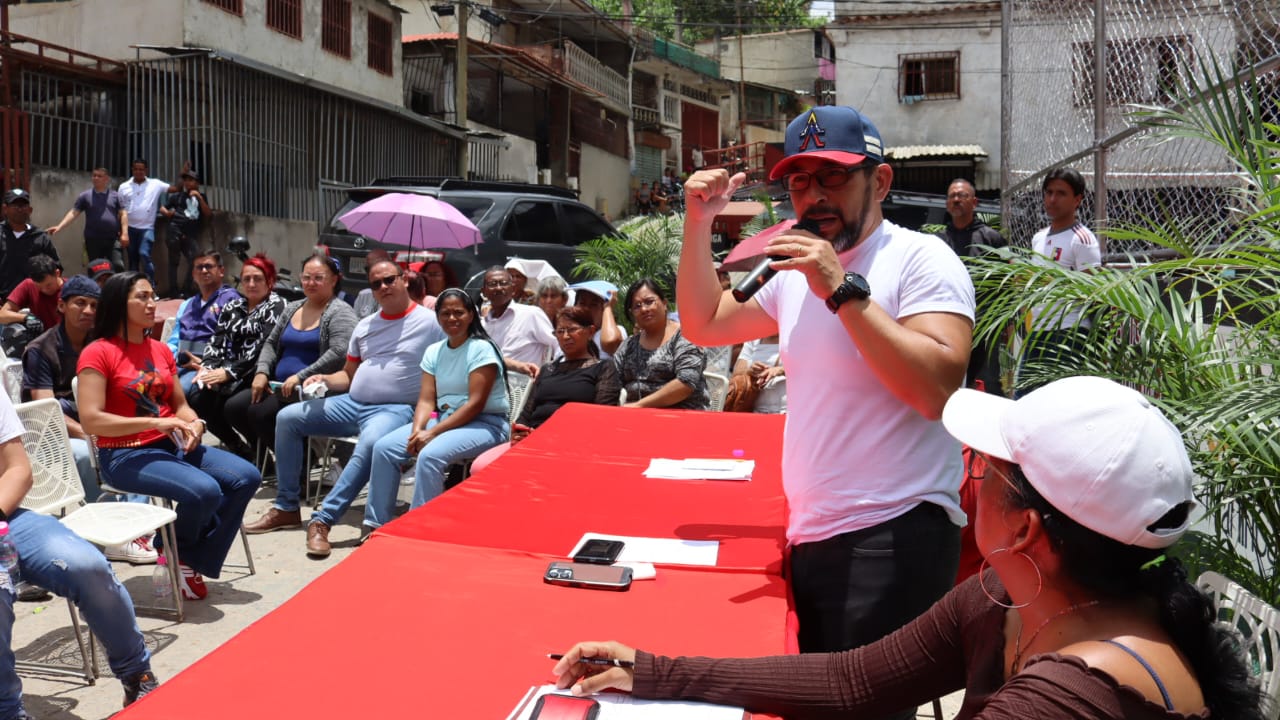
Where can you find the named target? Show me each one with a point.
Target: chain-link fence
(1069, 105)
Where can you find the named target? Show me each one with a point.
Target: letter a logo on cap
(812, 131)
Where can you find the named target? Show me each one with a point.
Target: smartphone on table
(599, 551)
(585, 575)
(565, 707)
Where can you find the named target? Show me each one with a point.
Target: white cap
(1097, 451)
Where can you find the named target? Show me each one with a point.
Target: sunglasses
(384, 282)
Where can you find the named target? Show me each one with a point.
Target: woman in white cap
(1081, 614)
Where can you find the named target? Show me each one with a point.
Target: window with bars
(285, 17)
(1142, 70)
(235, 7)
(335, 27)
(929, 76)
(380, 44)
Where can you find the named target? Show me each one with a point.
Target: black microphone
(763, 272)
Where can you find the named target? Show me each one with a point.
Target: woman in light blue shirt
(461, 412)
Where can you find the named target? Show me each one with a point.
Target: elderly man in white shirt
(523, 332)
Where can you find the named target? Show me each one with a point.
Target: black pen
(597, 661)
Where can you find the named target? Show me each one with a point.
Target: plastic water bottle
(9, 556)
(160, 585)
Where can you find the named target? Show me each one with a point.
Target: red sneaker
(193, 587)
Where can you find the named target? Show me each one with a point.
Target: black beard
(848, 237)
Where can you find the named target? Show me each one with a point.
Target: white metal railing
(671, 110)
(644, 115)
(581, 66)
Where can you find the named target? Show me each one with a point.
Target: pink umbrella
(746, 253)
(412, 221)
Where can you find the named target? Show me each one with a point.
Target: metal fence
(1066, 104)
(73, 124)
(267, 145)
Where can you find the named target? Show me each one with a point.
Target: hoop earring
(982, 582)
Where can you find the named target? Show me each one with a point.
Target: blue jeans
(389, 456)
(53, 557)
(338, 416)
(140, 242)
(211, 486)
(84, 468)
(187, 378)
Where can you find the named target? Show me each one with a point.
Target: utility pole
(742, 80)
(460, 88)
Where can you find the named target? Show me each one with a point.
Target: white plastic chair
(13, 379)
(170, 540)
(56, 490)
(517, 392)
(717, 389)
(1259, 627)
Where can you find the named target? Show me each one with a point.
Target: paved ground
(42, 631)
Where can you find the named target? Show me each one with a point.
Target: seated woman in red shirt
(1083, 614)
(149, 438)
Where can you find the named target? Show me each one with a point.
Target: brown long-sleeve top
(959, 643)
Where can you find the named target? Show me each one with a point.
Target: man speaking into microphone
(875, 325)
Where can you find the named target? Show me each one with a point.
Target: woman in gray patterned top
(658, 367)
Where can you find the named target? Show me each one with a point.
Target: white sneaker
(137, 552)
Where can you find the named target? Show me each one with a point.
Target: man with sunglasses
(373, 394)
(875, 324)
(197, 316)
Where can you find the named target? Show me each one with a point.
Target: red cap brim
(840, 156)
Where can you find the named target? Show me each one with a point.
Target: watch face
(858, 285)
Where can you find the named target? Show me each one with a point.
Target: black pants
(108, 249)
(209, 405)
(855, 588)
(256, 422)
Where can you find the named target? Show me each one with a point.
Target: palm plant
(1198, 333)
(650, 247)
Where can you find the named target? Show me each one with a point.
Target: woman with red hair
(232, 352)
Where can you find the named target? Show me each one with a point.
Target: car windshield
(473, 208)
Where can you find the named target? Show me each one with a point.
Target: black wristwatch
(854, 287)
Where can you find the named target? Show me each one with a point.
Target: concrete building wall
(101, 28)
(53, 191)
(783, 60)
(519, 160)
(867, 79)
(109, 27)
(207, 26)
(604, 181)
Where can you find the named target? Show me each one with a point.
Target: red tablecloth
(582, 472)
(412, 628)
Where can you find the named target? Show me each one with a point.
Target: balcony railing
(645, 116)
(582, 67)
(671, 111)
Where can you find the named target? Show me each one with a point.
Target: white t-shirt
(389, 350)
(522, 333)
(10, 425)
(772, 398)
(141, 201)
(605, 355)
(1074, 248)
(854, 455)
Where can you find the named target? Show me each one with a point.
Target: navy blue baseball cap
(80, 286)
(830, 132)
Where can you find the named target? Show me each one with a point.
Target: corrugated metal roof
(906, 152)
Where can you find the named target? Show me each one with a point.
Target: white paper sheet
(669, 551)
(700, 469)
(619, 706)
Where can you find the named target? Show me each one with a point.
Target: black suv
(538, 222)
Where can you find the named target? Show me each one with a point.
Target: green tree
(1198, 334)
(650, 248)
(702, 19)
